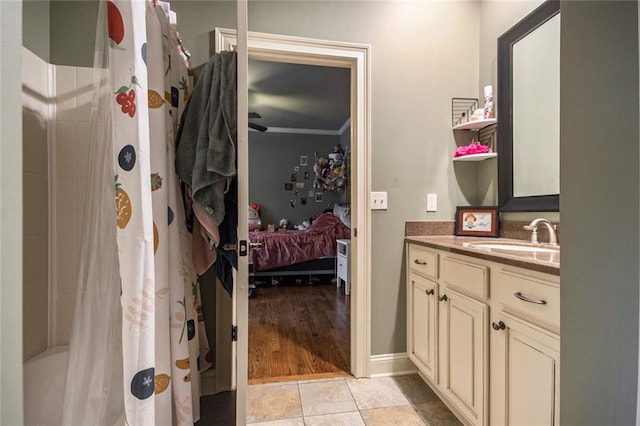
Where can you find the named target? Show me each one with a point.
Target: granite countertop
(542, 262)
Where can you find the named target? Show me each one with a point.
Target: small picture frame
(304, 160)
(477, 221)
(319, 197)
(288, 186)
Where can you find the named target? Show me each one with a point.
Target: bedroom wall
(272, 161)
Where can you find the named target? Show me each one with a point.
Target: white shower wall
(73, 97)
(57, 111)
(35, 173)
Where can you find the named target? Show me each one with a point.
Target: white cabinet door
(423, 329)
(525, 373)
(464, 354)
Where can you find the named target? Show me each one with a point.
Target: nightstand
(343, 268)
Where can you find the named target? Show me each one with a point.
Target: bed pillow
(343, 213)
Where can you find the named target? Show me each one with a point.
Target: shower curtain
(134, 345)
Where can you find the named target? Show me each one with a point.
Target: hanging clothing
(206, 141)
(206, 163)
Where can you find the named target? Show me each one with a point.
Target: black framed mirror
(528, 130)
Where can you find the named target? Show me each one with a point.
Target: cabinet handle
(527, 299)
(499, 325)
(429, 291)
(419, 262)
(443, 298)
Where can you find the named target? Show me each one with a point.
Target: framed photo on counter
(477, 221)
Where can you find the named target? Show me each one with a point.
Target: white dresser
(343, 268)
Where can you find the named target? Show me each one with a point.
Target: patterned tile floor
(401, 400)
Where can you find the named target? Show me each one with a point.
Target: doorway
(299, 189)
(356, 57)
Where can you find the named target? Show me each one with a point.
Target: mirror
(529, 112)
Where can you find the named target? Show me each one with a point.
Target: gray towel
(206, 148)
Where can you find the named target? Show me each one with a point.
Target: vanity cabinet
(492, 356)
(525, 349)
(423, 310)
(423, 291)
(447, 334)
(463, 349)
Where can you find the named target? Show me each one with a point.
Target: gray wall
(61, 32)
(73, 32)
(599, 185)
(272, 158)
(36, 18)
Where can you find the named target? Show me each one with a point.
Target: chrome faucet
(533, 227)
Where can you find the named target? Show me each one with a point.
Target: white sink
(512, 246)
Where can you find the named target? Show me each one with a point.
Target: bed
(299, 252)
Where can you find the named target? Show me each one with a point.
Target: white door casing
(356, 57)
(240, 299)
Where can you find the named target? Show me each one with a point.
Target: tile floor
(400, 400)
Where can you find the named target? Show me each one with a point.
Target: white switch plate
(432, 202)
(379, 200)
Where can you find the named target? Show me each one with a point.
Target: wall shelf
(476, 157)
(461, 110)
(475, 125)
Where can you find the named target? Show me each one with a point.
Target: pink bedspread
(282, 248)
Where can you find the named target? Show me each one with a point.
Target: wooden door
(464, 342)
(423, 329)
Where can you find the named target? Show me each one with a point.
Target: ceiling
(295, 96)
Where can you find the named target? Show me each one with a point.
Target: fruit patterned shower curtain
(149, 82)
(155, 358)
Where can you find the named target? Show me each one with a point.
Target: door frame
(356, 57)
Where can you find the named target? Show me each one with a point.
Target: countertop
(541, 262)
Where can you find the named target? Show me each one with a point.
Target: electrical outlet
(432, 202)
(379, 200)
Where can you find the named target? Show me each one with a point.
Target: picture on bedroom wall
(288, 186)
(294, 177)
(303, 201)
(319, 197)
(304, 160)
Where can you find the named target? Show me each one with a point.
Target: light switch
(379, 200)
(432, 202)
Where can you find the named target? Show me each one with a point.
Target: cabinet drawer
(538, 298)
(423, 261)
(468, 278)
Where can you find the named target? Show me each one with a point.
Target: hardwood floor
(298, 331)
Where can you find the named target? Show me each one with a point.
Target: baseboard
(397, 364)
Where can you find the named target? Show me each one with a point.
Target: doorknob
(234, 247)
